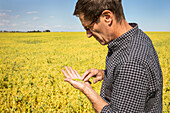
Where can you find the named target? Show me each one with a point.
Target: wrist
(86, 90)
(97, 102)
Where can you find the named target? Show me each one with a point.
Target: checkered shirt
(133, 79)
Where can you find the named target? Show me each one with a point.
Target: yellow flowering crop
(30, 70)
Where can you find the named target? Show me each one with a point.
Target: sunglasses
(91, 24)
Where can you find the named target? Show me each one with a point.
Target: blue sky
(56, 15)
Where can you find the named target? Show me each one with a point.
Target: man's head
(100, 18)
(93, 8)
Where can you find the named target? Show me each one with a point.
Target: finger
(68, 71)
(78, 76)
(72, 82)
(73, 73)
(75, 84)
(67, 80)
(97, 79)
(88, 77)
(85, 74)
(66, 75)
(88, 83)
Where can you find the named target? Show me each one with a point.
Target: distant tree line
(38, 31)
(34, 31)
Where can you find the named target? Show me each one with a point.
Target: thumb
(66, 79)
(95, 80)
(72, 82)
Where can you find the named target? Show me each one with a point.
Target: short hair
(93, 8)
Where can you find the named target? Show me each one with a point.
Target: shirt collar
(117, 43)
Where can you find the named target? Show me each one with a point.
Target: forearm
(97, 102)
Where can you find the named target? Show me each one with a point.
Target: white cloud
(5, 10)
(15, 17)
(3, 14)
(2, 24)
(5, 21)
(58, 26)
(45, 26)
(13, 25)
(28, 27)
(36, 18)
(51, 16)
(6, 16)
(32, 12)
(62, 27)
(24, 22)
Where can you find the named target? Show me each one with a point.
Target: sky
(57, 15)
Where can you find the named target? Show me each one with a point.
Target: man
(132, 80)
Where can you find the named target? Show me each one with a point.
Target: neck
(120, 29)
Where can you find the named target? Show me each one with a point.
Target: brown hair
(92, 8)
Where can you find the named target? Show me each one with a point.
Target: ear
(107, 16)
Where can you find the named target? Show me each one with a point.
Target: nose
(89, 34)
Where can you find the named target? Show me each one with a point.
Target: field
(30, 70)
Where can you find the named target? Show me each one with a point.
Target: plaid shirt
(133, 79)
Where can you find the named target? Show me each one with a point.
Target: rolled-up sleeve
(129, 89)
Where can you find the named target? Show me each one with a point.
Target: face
(97, 29)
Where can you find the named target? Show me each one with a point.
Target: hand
(73, 74)
(97, 102)
(99, 74)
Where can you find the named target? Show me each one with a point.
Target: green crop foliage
(30, 70)
(78, 80)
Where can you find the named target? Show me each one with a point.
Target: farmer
(132, 79)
